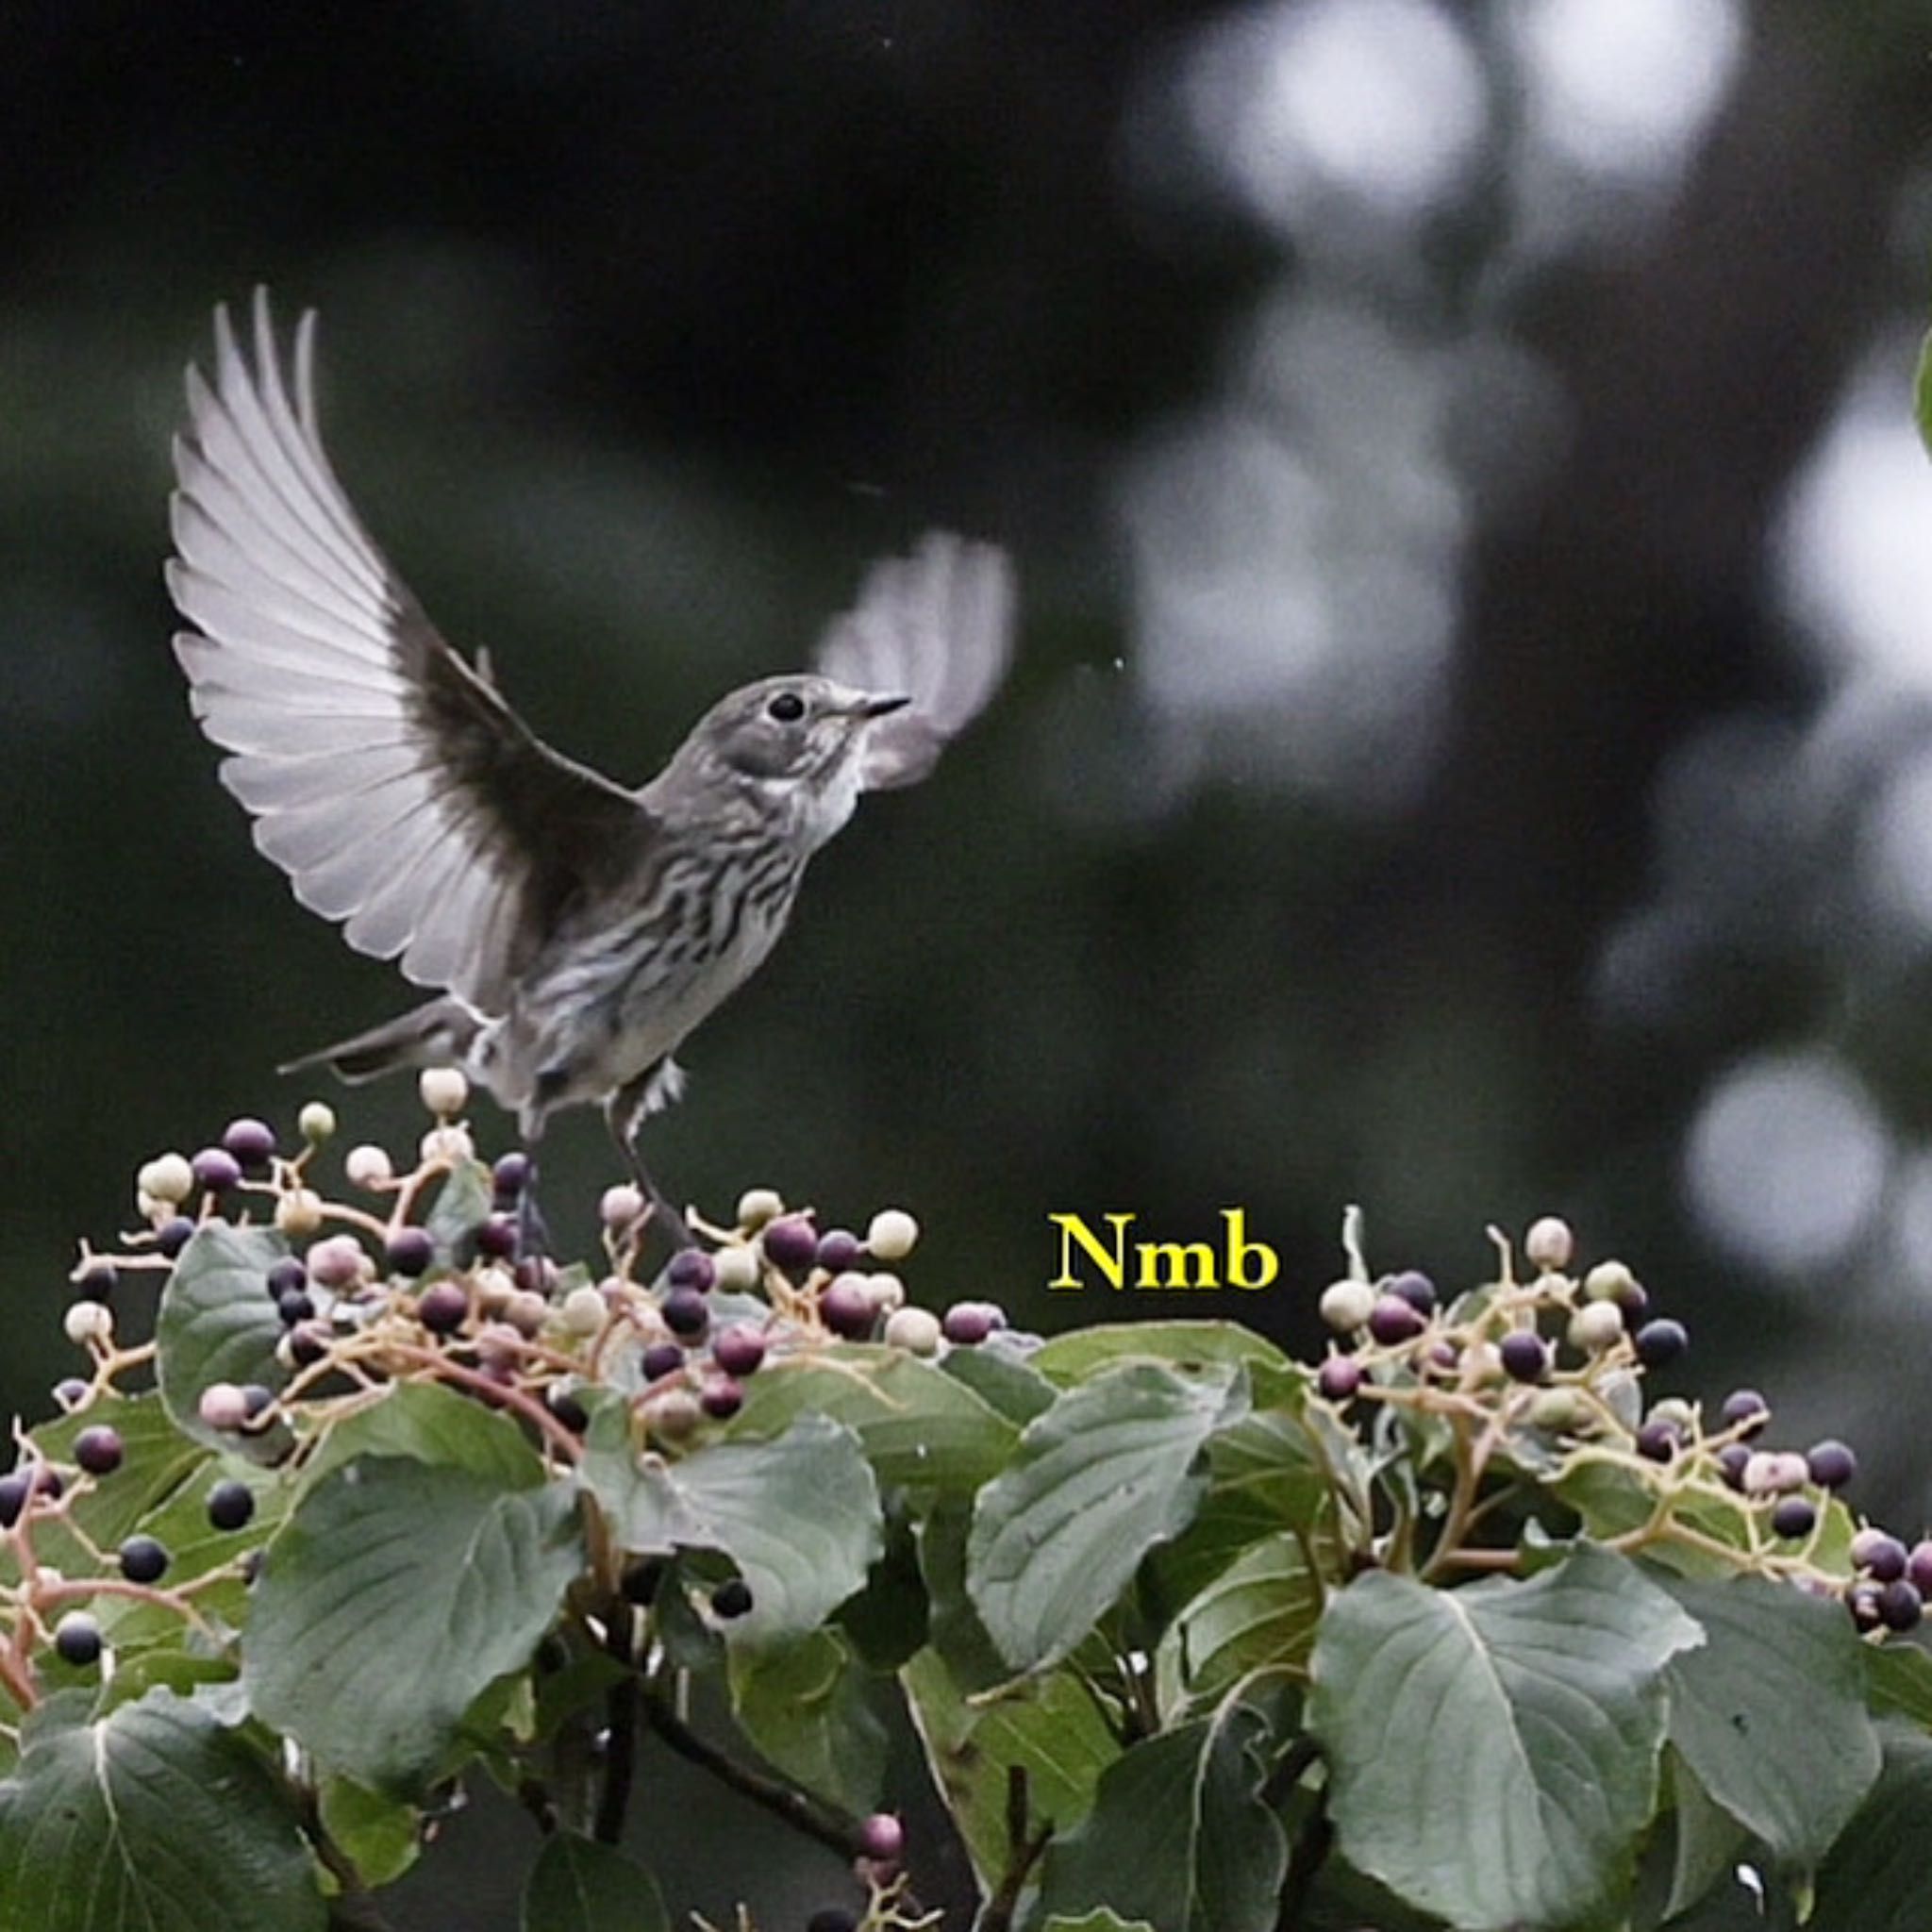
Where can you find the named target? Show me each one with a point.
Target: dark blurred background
(1472, 748)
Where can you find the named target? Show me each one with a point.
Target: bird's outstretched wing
(386, 776)
(937, 627)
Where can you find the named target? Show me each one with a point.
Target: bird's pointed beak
(879, 707)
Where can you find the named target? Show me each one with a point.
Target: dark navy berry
(99, 1450)
(1661, 1341)
(410, 1250)
(839, 1249)
(295, 1306)
(174, 1235)
(1526, 1356)
(732, 1598)
(1918, 1567)
(1794, 1516)
(285, 1277)
(568, 1409)
(1731, 1460)
(98, 1284)
(1658, 1441)
(77, 1638)
(684, 1313)
(691, 1268)
(1745, 1409)
(1415, 1287)
(230, 1504)
(144, 1559)
(1899, 1606)
(510, 1176)
(13, 1490)
(309, 1343)
(1882, 1555)
(663, 1358)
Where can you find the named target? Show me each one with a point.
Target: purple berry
(256, 1399)
(496, 1240)
(849, 1311)
(691, 1268)
(966, 1323)
(286, 1276)
(1393, 1320)
(564, 1405)
(308, 1343)
(686, 1313)
(883, 1837)
(1525, 1356)
(251, 1142)
(1831, 1463)
(70, 1392)
(791, 1242)
(174, 1235)
(732, 1598)
(663, 1358)
(1882, 1557)
(1899, 1606)
(144, 1559)
(1658, 1441)
(297, 1304)
(98, 1284)
(1745, 1409)
(510, 1176)
(442, 1308)
(1415, 1287)
(13, 1490)
(839, 1249)
(410, 1250)
(1338, 1378)
(230, 1504)
(721, 1397)
(1792, 1517)
(739, 1349)
(215, 1169)
(1731, 1460)
(1918, 1567)
(1862, 1601)
(1661, 1341)
(98, 1450)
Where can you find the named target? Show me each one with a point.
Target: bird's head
(799, 739)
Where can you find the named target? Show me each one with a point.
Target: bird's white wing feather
(391, 782)
(936, 627)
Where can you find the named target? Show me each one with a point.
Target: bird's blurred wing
(386, 776)
(936, 627)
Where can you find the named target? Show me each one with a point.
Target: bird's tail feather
(439, 1032)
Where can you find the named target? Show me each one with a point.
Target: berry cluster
(1549, 1376)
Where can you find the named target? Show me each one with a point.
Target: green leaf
(217, 1323)
(806, 1706)
(1613, 1499)
(429, 1423)
(578, 1884)
(1179, 1834)
(157, 1459)
(380, 1835)
(1100, 1479)
(1793, 1786)
(1898, 1677)
(1494, 1750)
(799, 1514)
(1047, 1726)
(998, 1377)
(920, 1428)
(1190, 1346)
(1921, 392)
(1875, 1879)
(1099, 1920)
(395, 1593)
(154, 1819)
(461, 1205)
(1259, 1613)
(1708, 1842)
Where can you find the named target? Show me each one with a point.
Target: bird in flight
(575, 930)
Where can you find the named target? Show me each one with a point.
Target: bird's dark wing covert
(387, 777)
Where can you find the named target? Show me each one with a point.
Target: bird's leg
(533, 1237)
(623, 1114)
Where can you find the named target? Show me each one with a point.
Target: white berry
(915, 1330)
(368, 1166)
(757, 1206)
(445, 1092)
(89, 1322)
(167, 1178)
(891, 1235)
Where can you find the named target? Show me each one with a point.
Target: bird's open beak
(879, 707)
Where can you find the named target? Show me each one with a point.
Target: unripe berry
(621, 1206)
(448, 1144)
(1549, 1243)
(1556, 1411)
(442, 1308)
(672, 1415)
(1596, 1326)
(99, 1449)
(316, 1122)
(846, 1308)
(500, 1347)
(789, 1242)
(735, 1268)
(368, 1166)
(1525, 1356)
(86, 1321)
(222, 1406)
(1831, 1464)
(1793, 1517)
(410, 1251)
(526, 1311)
(444, 1090)
(1660, 1343)
(583, 1311)
(337, 1262)
(215, 1169)
(77, 1638)
(739, 1349)
(230, 1504)
(1611, 1281)
(167, 1178)
(891, 1235)
(1393, 1320)
(299, 1213)
(1346, 1305)
(98, 1283)
(885, 1290)
(757, 1206)
(144, 1559)
(1338, 1378)
(915, 1330)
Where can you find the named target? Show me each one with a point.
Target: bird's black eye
(788, 708)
